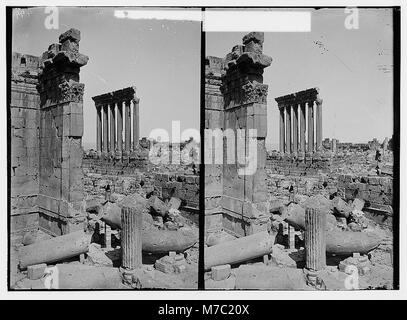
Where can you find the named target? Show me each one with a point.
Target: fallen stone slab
(260, 276)
(174, 203)
(55, 249)
(158, 205)
(77, 276)
(36, 271)
(341, 208)
(239, 250)
(281, 258)
(358, 204)
(222, 272)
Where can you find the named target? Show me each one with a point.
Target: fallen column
(55, 249)
(132, 223)
(315, 249)
(348, 242)
(155, 240)
(239, 250)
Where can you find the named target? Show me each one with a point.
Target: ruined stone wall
(288, 165)
(24, 122)
(213, 121)
(47, 128)
(373, 189)
(111, 166)
(166, 185)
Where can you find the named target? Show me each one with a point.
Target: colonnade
(298, 134)
(116, 111)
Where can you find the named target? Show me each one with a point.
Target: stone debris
(221, 272)
(172, 263)
(36, 271)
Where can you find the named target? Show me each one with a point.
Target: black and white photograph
(210, 152)
(299, 154)
(104, 118)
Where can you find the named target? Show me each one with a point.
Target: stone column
(302, 127)
(131, 242)
(105, 147)
(319, 124)
(136, 123)
(288, 129)
(282, 130)
(127, 127)
(112, 128)
(311, 126)
(295, 128)
(334, 147)
(315, 247)
(99, 129)
(120, 127)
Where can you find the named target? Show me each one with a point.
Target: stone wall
(111, 165)
(24, 123)
(165, 185)
(289, 165)
(375, 190)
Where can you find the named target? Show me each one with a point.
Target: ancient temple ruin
(109, 131)
(46, 136)
(293, 127)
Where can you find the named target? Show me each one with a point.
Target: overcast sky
(352, 68)
(161, 58)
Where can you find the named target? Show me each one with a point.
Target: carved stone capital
(254, 92)
(71, 91)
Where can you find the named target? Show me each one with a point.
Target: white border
(197, 295)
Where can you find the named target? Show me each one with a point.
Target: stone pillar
(60, 126)
(291, 237)
(105, 146)
(99, 129)
(112, 121)
(282, 130)
(319, 124)
(127, 127)
(120, 127)
(245, 107)
(136, 123)
(311, 126)
(302, 127)
(288, 129)
(295, 128)
(315, 247)
(334, 146)
(131, 242)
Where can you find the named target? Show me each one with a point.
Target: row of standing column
(109, 127)
(293, 131)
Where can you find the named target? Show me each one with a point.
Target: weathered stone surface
(239, 250)
(221, 272)
(55, 249)
(36, 271)
(341, 208)
(281, 258)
